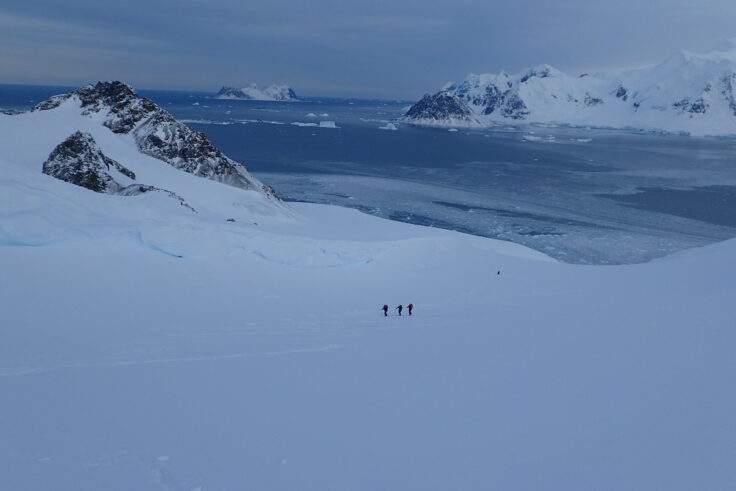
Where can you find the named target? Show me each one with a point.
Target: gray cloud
(398, 48)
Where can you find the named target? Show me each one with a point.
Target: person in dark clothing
(400, 308)
(385, 310)
(410, 307)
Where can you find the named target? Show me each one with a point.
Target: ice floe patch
(388, 126)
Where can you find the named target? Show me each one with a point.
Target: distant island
(281, 93)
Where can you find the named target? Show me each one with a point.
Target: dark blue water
(581, 195)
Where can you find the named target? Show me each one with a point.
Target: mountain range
(687, 93)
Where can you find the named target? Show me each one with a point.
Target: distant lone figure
(400, 308)
(385, 310)
(499, 273)
(410, 307)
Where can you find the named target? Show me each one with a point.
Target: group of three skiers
(400, 308)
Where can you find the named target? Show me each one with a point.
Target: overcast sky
(396, 48)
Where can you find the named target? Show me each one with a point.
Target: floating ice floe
(389, 126)
(531, 138)
(297, 123)
(327, 124)
(452, 130)
(311, 115)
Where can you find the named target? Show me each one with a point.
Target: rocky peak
(157, 133)
(79, 160)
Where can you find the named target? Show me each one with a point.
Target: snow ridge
(687, 93)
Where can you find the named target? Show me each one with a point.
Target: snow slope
(687, 93)
(144, 346)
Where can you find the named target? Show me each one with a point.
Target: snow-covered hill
(237, 342)
(687, 93)
(282, 93)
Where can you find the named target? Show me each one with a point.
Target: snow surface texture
(146, 347)
(688, 93)
(281, 93)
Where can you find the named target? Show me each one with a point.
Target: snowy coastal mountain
(687, 93)
(114, 107)
(281, 93)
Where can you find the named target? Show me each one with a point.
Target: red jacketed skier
(400, 308)
(385, 310)
(410, 307)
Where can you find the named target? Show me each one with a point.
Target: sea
(580, 195)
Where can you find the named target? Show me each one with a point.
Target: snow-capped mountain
(281, 93)
(156, 133)
(687, 93)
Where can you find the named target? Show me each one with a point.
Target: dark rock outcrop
(441, 106)
(232, 93)
(698, 106)
(78, 160)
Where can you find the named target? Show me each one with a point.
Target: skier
(400, 308)
(385, 310)
(410, 307)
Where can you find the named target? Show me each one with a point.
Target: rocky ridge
(157, 133)
(79, 160)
